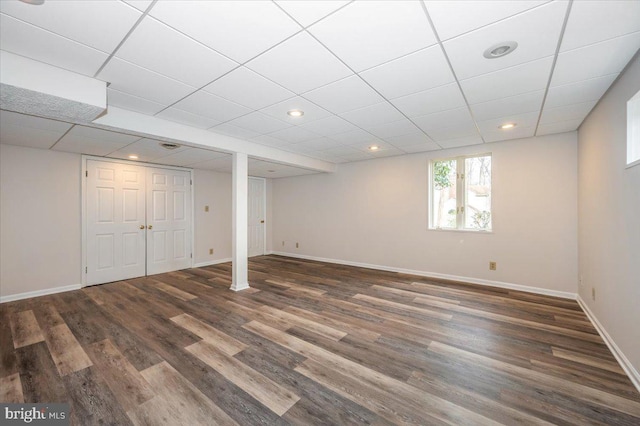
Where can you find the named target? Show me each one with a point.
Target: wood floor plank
(353, 329)
(614, 367)
(401, 306)
(25, 329)
(177, 402)
(322, 330)
(65, 350)
(224, 342)
(175, 292)
(269, 393)
(11, 389)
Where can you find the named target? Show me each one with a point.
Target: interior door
(168, 220)
(115, 224)
(256, 216)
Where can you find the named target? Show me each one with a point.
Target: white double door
(138, 221)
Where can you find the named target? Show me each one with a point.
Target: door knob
(141, 226)
(150, 227)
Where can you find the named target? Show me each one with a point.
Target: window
(633, 130)
(461, 193)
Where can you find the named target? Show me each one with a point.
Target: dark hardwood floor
(310, 343)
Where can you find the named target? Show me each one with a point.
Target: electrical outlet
(493, 266)
(593, 293)
(206, 209)
(297, 245)
(210, 251)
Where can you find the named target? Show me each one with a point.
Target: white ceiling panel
(309, 11)
(355, 136)
(218, 164)
(536, 32)
(566, 112)
(237, 29)
(23, 120)
(236, 132)
(44, 46)
(391, 152)
(134, 80)
(422, 147)
(259, 123)
(466, 141)
(411, 139)
(454, 132)
(184, 117)
(312, 112)
(397, 128)
(422, 70)
(191, 156)
(293, 135)
(512, 81)
(516, 133)
(595, 60)
(592, 21)
(528, 119)
(133, 103)
(141, 5)
(99, 24)
(331, 125)
(452, 18)
(212, 106)
(146, 150)
(385, 30)
(91, 141)
(526, 102)
(269, 141)
(344, 95)
(382, 146)
(582, 91)
(314, 66)
(429, 101)
(444, 119)
(247, 88)
(560, 127)
(373, 115)
(26, 130)
(317, 144)
(155, 46)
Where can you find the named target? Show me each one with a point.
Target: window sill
(469, 231)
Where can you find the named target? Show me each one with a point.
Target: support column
(240, 264)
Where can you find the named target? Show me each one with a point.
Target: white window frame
(633, 131)
(461, 202)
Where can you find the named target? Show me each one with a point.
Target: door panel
(115, 207)
(256, 216)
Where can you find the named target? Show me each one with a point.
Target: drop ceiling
(407, 76)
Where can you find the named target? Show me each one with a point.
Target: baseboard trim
(212, 262)
(489, 283)
(624, 362)
(38, 293)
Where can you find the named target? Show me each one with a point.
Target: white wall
(40, 229)
(609, 212)
(213, 228)
(375, 212)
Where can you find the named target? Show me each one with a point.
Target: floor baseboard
(37, 293)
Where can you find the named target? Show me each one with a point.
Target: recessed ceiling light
(170, 145)
(34, 2)
(374, 148)
(295, 113)
(501, 49)
(507, 126)
(133, 157)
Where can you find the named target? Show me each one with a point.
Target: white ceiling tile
(30, 121)
(293, 135)
(134, 80)
(269, 141)
(566, 112)
(455, 143)
(582, 91)
(594, 21)
(208, 105)
(312, 112)
(422, 147)
(317, 144)
(146, 150)
(517, 133)
(454, 132)
(344, 95)
(35, 43)
(141, 5)
(452, 18)
(397, 128)
(560, 127)
(237, 29)
(191, 156)
(34, 132)
(373, 115)
(236, 132)
(385, 30)
(260, 123)
(528, 119)
(391, 152)
(429, 101)
(133, 103)
(412, 139)
(91, 141)
(331, 125)
(526, 102)
(102, 135)
(300, 64)
(99, 24)
(512, 81)
(155, 46)
(595, 60)
(354, 136)
(536, 31)
(443, 119)
(219, 164)
(422, 70)
(247, 88)
(382, 146)
(309, 11)
(187, 118)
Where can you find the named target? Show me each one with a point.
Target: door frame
(83, 203)
(264, 209)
